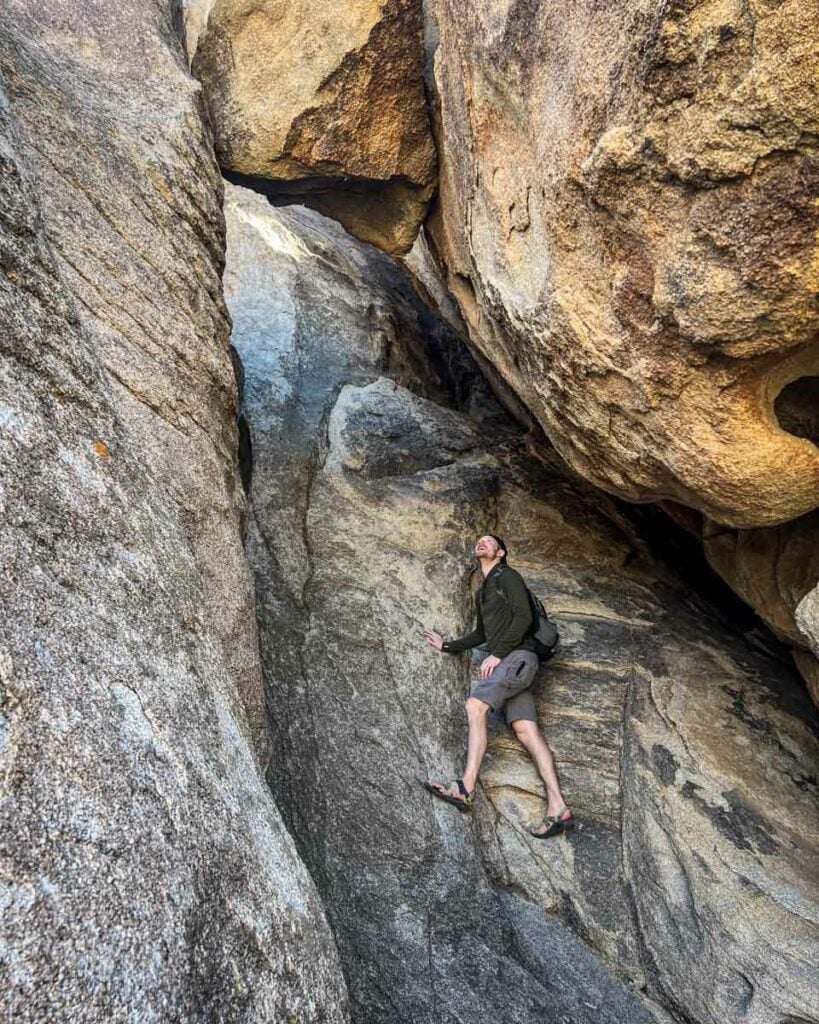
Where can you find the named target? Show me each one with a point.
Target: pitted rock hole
(797, 408)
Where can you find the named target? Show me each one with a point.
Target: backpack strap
(534, 602)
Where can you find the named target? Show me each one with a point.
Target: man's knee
(476, 708)
(525, 730)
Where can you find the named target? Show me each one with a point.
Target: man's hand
(433, 638)
(488, 665)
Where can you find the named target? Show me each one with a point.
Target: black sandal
(557, 824)
(463, 805)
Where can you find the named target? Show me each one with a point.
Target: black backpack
(544, 631)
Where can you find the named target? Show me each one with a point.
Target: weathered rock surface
(195, 14)
(776, 571)
(146, 874)
(627, 217)
(688, 757)
(324, 102)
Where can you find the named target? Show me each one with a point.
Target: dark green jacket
(504, 615)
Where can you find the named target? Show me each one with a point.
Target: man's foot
(553, 825)
(456, 794)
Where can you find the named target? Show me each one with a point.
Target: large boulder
(146, 872)
(324, 102)
(374, 455)
(627, 217)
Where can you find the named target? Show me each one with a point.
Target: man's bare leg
(476, 712)
(530, 736)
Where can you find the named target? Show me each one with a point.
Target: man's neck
(488, 564)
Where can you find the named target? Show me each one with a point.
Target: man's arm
(515, 591)
(463, 643)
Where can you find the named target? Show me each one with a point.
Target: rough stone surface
(776, 571)
(688, 757)
(324, 102)
(195, 14)
(145, 873)
(627, 217)
(807, 621)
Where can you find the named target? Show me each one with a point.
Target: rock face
(807, 620)
(776, 571)
(324, 102)
(146, 873)
(687, 756)
(628, 223)
(195, 14)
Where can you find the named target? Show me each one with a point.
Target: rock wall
(324, 104)
(628, 224)
(776, 571)
(377, 455)
(147, 874)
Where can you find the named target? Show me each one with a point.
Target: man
(504, 628)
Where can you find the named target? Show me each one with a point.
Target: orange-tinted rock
(324, 104)
(628, 219)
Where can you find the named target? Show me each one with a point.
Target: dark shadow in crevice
(245, 445)
(378, 212)
(245, 454)
(679, 547)
(797, 408)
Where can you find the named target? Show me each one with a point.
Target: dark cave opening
(797, 408)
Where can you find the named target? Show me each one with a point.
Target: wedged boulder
(377, 456)
(323, 104)
(627, 221)
(146, 873)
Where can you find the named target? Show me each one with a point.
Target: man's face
(486, 547)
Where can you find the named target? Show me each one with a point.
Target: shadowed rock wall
(776, 571)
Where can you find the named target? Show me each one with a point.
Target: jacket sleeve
(520, 624)
(463, 643)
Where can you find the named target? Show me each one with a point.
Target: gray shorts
(508, 690)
